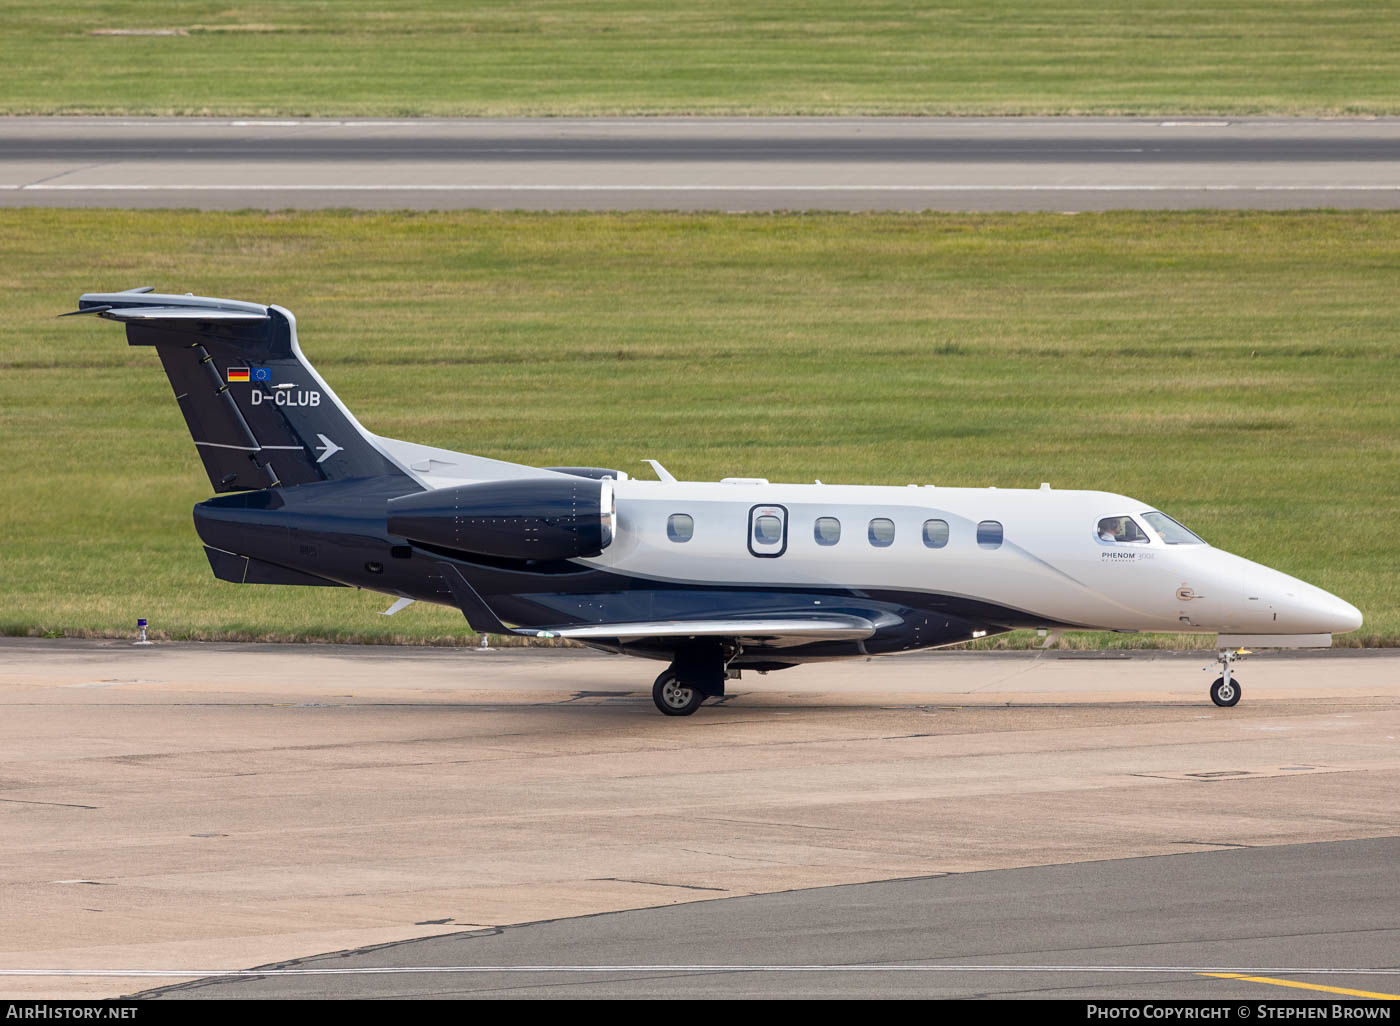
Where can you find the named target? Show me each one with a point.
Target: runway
(1223, 925)
(194, 808)
(753, 164)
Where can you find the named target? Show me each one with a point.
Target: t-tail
(259, 414)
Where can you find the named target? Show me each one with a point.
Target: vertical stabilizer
(259, 414)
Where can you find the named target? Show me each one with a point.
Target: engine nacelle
(528, 518)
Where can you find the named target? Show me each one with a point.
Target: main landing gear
(1226, 690)
(674, 698)
(697, 673)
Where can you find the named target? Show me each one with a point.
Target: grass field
(1239, 370)
(530, 57)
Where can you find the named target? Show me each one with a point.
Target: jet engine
(527, 518)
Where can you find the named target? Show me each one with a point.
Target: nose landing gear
(1226, 690)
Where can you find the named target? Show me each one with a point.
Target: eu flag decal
(237, 374)
(261, 373)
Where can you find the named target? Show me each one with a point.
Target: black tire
(674, 698)
(1225, 695)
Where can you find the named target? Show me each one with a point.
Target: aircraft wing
(831, 627)
(794, 628)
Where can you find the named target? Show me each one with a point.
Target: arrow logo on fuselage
(330, 447)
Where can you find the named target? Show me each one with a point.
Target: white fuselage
(1050, 563)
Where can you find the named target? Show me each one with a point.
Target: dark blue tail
(259, 414)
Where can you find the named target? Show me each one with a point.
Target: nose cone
(1303, 608)
(1333, 615)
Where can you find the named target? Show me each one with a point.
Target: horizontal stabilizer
(178, 313)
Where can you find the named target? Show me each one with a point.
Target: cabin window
(935, 533)
(768, 530)
(680, 527)
(989, 534)
(827, 531)
(881, 532)
(1121, 529)
(1172, 533)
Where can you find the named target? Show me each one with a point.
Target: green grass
(529, 57)
(1239, 370)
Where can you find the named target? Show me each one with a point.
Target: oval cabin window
(827, 531)
(768, 530)
(935, 533)
(989, 534)
(881, 532)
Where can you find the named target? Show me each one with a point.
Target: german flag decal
(237, 374)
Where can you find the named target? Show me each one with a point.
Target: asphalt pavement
(181, 810)
(1290, 922)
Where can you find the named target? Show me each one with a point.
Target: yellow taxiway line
(1306, 986)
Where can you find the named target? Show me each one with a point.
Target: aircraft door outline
(768, 540)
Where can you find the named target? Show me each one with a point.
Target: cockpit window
(1121, 529)
(1172, 533)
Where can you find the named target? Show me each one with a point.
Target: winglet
(661, 472)
(137, 291)
(478, 613)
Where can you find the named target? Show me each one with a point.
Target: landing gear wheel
(673, 698)
(1225, 693)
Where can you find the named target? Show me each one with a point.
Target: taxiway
(197, 808)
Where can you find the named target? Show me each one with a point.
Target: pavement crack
(656, 883)
(1217, 844)
(65, 805)
(64, 173)
(737, 858)
(762, 823)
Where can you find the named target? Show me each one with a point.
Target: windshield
(1172, 533)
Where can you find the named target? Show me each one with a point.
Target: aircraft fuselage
(1042, 566)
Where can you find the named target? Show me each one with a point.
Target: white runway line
(838, 968)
